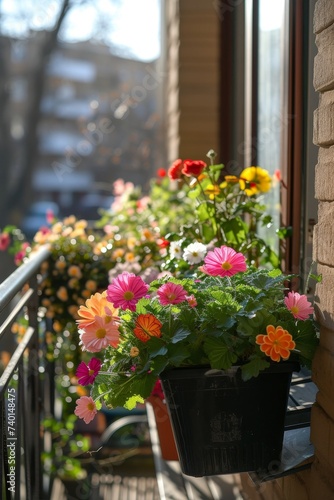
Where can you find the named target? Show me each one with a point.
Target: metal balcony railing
(22, 387)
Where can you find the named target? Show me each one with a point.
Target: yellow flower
(57, 228)
(254, 180)
(86, 294)
(130, 257)
(91, 285)
(67, 232)
(62, 294)
(69, 220)
(60, 264)
(78, 233)
(81, 224)
(15, 328)
(57, 326)
(134, 351)
(212, 190)
(148, 235)
(228, 179)
(117, 254)
(131, 242)
(74, 272)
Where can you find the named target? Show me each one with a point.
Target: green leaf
(180, 334)
(133, 401)
(253, 368)
(177, 354)
(219, 354)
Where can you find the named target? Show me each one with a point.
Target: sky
(133, 25)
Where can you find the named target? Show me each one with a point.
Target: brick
(323, 371)
(321, 431)
(326, 403)
(323, 120)
(324, 190)
(323, 238)
(270, 490)
(324, 299)
(323, 75)
(327, 338)
(321, 481)
(323, 15)
(295, 487)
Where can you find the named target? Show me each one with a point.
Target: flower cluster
(227, 211)
(227, 313)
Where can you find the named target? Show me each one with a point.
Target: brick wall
(318, 481)
(192, 79)
(322, 423)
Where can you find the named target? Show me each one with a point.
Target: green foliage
(220, 330)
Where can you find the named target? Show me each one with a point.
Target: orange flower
(277, 343)
(147, 326)
(97, 305)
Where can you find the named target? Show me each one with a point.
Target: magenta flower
(99, 335)
(125, 290)
(298, 305)
(87, 373)
(4, 241)
(170, 293)
(85, 409)
(224, 261)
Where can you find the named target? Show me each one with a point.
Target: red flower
(175, 170)
(193, 167)
(161, 172)
(163, 243)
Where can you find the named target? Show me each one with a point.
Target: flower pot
(164, 428)
(224, 425)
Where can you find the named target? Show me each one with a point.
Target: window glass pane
(271, 89)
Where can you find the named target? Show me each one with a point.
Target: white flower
(175, 250)
(194, 253)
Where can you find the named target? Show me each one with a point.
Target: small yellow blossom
(74, 272)
(69, 220)
(60, 264)
(91, 285)
(62, 294)
(212, 191)
(118, 254)
(86, 293)
(134, 351)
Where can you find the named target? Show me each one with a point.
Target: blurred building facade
(100, 119)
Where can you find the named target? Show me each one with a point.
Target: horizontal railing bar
(14, 283)
(14, 361)
(22, 302)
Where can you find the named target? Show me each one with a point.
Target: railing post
(34, 399)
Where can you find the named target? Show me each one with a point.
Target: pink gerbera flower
(125, 290)
(224, 261)
(171, 293)
(99, 335)
(85, 409)
(87, 373)
(298, 305)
